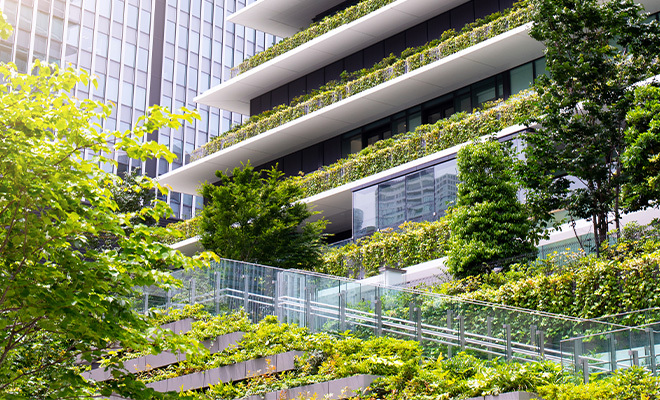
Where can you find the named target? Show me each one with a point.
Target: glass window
(104, 8)
(351, 143)
(483, 92)
(113, 89)
(73, 31)
(42, 23)
(521, 78)
(143, 59)
(129, 54)
(446, 186)
(127, 94)
(539, 67)
(115, 49)
(102, 44)
(392, 203)
(420, 195)
(132, 16)
(145, 21)
(118, 11)
(364, 211)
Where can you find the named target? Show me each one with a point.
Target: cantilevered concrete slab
(235, 94)
(281, 17)
(443, 76)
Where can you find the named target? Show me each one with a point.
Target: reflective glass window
(364, 211)
(521, 77)
(392, 203)
(446, 186)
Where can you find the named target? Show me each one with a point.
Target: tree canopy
(63, 301)
(253, 216)
(595, 52)
(488, 222)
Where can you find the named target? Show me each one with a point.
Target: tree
(641, 158)
(595, 51)
(252, 216)
(61, 300)
(488, 222)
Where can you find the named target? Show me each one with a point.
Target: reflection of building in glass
(417, 196)
(142, 52)
(446, 191)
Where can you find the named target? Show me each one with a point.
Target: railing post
(509, 345)
(612, 340)
(489, 333)
(461, 331)
(217, 293)
(145, 304)
(193, 294)
(169, 299)
(651, 334)
(418, 323)
(577, 354)
(342, 311)
(585, 369)
(450, 319)
(541, 337)
(276, 297)
(379, 316)
(532, 335)
(635, 357)
(308, 308)
(246, 292)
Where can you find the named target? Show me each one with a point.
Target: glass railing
(323, 303)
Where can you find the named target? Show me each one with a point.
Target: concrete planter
(230, 373)
(337, 389)
(180, 326)
(165, 358)
(508, 396)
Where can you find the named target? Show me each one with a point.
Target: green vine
(412, 243)
(283, 114)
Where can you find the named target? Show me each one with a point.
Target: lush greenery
(63, 299)
(403, 148)
(412, 243)
(425, 140)
(428, 55)
(252, 216)
(623, 278)
(488, 222)
(595, 52)
(641, 159)
(405, 373)
(315, 30)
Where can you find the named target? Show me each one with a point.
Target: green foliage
(340, 91)
(313, 31)
(5, 28)
(403, 148)
(630, 384)
(488, 223)
(252, 217)
(61, 298)
(412, 243)
(132, 192)
(595, 52)
(622, 279)
(641, 159)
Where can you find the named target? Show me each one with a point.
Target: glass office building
(142, 52)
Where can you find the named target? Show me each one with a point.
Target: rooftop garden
(390, 68)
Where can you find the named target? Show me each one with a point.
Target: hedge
(412, 243)
(285, 114)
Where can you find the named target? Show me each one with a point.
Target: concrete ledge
(343, 388)
(230, 373)
(165, 358)
(508, 396)
(180, 326)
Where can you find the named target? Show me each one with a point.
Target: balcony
(409, 86)
(235, 94)
(281, 17)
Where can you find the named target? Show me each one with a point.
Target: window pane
(446, 181)
(521, 78)
(364, 212)
(392, 203)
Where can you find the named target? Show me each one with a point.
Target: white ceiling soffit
(235, 94)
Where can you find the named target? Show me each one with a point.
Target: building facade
(142, 52)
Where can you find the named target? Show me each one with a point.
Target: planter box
(230, 373)
(165, 358)
(180, 326)
(508, 396)
(337, 389)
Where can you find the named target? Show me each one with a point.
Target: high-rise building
(414, 86)
(142, 52)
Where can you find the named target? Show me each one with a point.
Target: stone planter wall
(230, 373)
(165, 358)
(339, 389)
